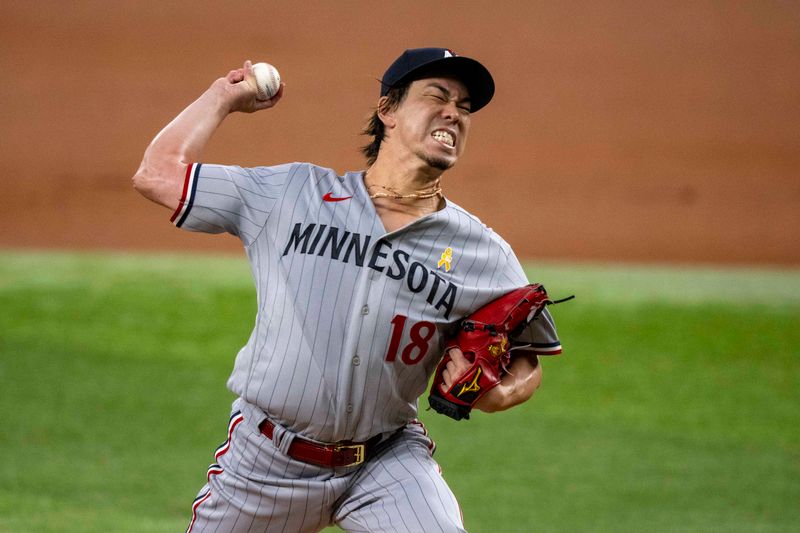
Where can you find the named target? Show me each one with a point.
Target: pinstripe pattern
(256, 488)
(197, 502)
(351, 320)
(319, 308)
(214, 469)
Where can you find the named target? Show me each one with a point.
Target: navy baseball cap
(417, 63)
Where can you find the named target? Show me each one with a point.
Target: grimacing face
(433, 120)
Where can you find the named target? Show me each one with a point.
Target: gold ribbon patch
(446, 259)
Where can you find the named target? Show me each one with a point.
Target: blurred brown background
(622, 131)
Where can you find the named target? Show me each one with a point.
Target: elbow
(145, 184)
(139, 182)
(535, 382)
(158, 183)
(142, 180)
(528, 382)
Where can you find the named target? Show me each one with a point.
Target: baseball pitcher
(364, 280)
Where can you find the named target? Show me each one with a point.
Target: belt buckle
(359, 450)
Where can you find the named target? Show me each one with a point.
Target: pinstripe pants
(255, 487)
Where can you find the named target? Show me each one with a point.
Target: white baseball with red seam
(265, 80)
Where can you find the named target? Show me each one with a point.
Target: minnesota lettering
(343, 246)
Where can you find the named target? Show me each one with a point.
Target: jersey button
(356, 361)
(349, 408)
(365, 310)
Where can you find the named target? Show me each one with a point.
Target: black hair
(375, 127)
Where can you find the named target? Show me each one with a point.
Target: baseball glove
(483, 337)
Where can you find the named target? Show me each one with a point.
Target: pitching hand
(240, 95)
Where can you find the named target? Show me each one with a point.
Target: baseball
(265, 80)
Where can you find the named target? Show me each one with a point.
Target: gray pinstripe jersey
(351, 319)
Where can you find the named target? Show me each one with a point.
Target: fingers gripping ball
(265, 79)
(483, 337)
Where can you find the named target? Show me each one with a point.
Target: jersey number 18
(413, 352)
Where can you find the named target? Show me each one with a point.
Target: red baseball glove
(483, 337)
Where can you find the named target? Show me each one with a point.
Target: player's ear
(386, 112)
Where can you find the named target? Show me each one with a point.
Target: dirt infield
(625, 131)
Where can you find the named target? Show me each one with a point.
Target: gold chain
(393, 194)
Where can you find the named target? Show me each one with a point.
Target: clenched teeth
(444, 137)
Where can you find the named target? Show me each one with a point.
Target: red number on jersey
(414, 351)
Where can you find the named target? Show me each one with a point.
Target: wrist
(219, 98)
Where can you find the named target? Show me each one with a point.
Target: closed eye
(441, 94)
(463, 106)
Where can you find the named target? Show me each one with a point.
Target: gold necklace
(393, 194)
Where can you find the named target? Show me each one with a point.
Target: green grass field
(675, 407)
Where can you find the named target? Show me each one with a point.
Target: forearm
(161, 174)
(184, 139)
(181, 142)
(517, 386)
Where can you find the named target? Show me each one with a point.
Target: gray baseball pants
(256, 487)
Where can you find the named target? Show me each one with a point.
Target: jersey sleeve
(540, 336)
(219, 198)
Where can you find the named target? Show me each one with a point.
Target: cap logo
(416, 63)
